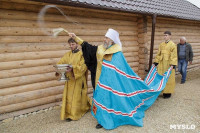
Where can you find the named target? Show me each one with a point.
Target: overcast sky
(195, 2)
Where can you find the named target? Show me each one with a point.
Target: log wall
(27, 55)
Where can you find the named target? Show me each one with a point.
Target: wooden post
(152, 39)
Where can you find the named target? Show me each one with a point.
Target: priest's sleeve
(89, 54)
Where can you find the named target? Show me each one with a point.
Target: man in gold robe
(75, 100)
(94, 55)
(166, 57)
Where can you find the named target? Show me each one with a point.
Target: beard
(107, 45)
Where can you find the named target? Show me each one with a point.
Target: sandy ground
(181, 111)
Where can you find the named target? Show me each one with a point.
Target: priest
(75, 102)
(166, 57)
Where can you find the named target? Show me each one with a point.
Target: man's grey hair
(183, 38)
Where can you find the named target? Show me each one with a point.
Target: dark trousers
(182, 68)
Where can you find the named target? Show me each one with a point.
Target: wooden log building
(27, 55)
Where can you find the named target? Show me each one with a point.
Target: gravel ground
(181, 111)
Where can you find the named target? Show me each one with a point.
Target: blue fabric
(182, 68)
(121, 96)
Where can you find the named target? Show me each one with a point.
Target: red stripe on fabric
(122, 93)
(169, 71)
(160, 86)
(119, 112)
(121, 72)
(154, 75)
(150, 73)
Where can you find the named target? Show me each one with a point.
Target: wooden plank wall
(27, 80)
(178, 28)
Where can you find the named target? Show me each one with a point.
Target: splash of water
(50, 31)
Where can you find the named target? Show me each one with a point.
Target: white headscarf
(114, 36)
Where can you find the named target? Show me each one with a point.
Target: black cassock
(89, 54)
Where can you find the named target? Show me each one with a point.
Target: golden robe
(75, 100)
(166, 56)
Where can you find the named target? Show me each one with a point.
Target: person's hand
(155, 63)
(72, 35)
(190, 62)
(69, 69)
(173, 66)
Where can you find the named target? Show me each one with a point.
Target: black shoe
(68, 120)
(98, 126)
(182, 82)
(166, 95)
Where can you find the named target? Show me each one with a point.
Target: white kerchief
(114, 36)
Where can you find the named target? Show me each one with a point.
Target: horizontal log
(39, 62)
(27, 96)
(66, 25)
(142, 67)
(162, 28)
(130, 49)
(195, 49)
(24, 80)
(13, 14)
(143, 51)
(58, 39)
(188, 34)
(31, 55)
(197, 65)
(175, 36)
(23, 31)
(195, 44)
(196, 61)
(142, 72)
(160, 31)
(132, 59)
(130, 54)
(133, 64)
(143, 56)
(176, 41)
(196, 57)
(5, 57)
(135, 69)
(196, 53)
(144, 61)
(30, 87)
(26, 71)
(28, 104)
(31, 47)
(28, 63)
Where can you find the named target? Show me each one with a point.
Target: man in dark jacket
(185, 55)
